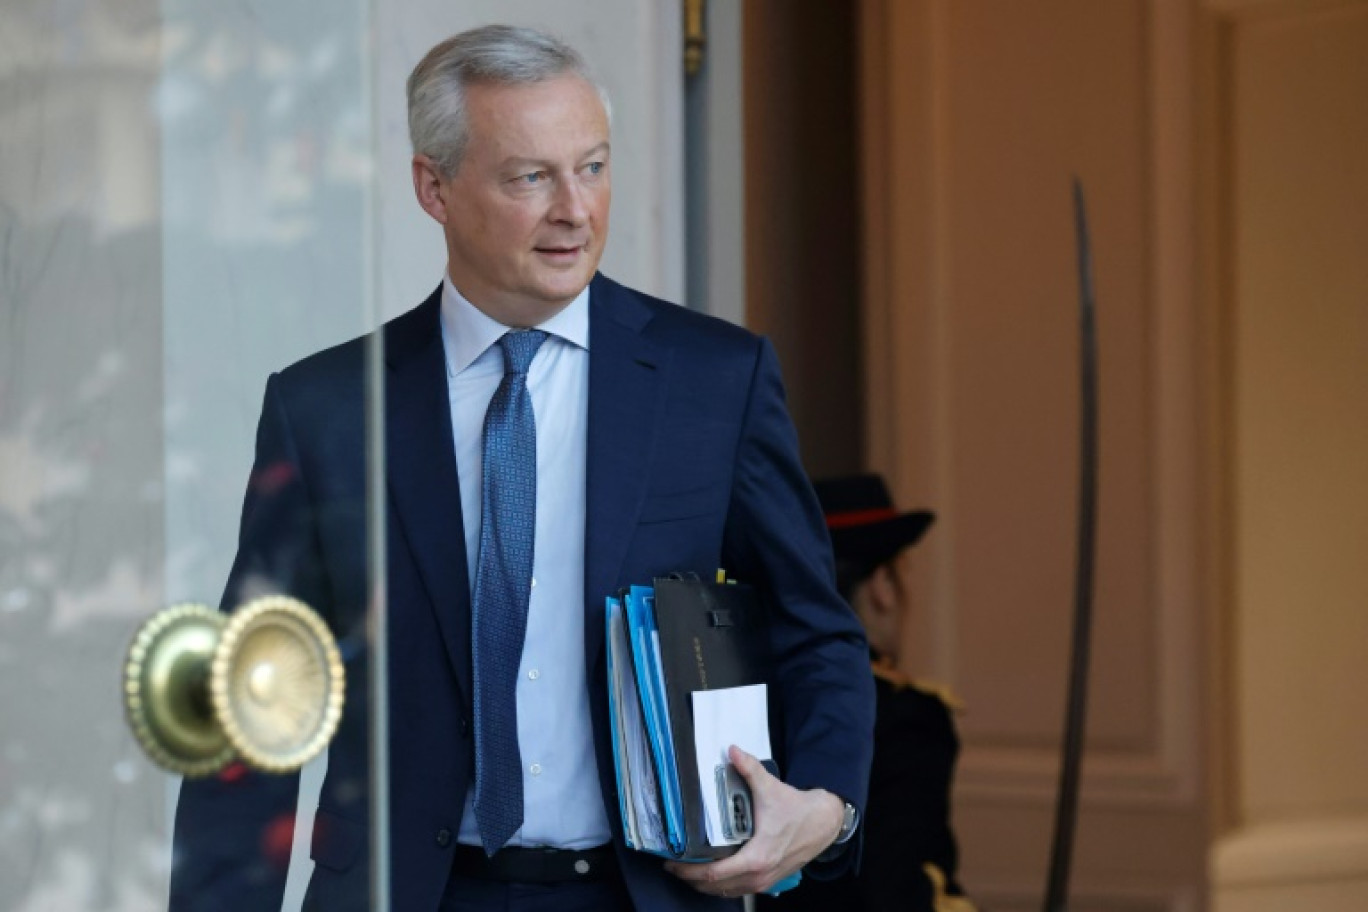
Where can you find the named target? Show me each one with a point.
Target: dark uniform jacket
(910, 859)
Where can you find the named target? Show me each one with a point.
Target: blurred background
(193, 195)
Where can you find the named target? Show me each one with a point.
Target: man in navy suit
(657, 441)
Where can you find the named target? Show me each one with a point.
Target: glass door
(184, 195)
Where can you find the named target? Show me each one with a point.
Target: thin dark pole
(1066, 811)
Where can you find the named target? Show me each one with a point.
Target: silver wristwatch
(850, 819)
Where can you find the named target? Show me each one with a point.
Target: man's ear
(883, 592)
(429, 187)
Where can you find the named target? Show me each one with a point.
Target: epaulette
(885, 671)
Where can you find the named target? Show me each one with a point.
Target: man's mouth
(560, 256)
(560, 253)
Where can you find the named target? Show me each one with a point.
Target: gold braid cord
(944, 902)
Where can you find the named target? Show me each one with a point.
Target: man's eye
(534, 177)
(596, 167)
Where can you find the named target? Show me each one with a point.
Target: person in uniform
(910, 858)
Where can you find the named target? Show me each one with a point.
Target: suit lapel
(627, 378)
(423, 485)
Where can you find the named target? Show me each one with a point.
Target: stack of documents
(687, 662)
(637, 706)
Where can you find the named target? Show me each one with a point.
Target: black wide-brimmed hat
(866, 529)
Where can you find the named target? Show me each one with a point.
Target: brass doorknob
(264, 684)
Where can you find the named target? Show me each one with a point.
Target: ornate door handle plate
(264, 684)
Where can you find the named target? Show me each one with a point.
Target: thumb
(755, 774)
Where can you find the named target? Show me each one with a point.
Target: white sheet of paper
(723, 717)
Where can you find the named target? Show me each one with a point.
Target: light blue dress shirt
(562, 804)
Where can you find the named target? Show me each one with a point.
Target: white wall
(715, 170)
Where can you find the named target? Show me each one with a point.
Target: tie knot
(519, 346)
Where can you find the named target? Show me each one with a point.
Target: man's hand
(791, 828)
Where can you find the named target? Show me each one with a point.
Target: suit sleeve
(777, 539)
(233, 831)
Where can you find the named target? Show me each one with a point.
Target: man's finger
(735, 871)
(711, 871)
(751, 769)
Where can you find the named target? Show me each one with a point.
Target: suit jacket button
(444, 837)
(465, 729)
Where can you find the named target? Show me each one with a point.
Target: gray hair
(494, 54)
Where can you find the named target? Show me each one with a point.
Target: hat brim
(868, 545)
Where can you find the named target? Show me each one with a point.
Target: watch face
(847, 822)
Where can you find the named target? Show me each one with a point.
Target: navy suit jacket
(692, 465)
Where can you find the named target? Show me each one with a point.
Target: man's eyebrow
(517, 162)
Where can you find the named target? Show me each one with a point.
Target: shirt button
(534, 582)
(534, 674)
(535, 769)
(444, 837)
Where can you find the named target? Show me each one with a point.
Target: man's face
(526, 213)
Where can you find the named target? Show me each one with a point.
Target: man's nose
(568, 205)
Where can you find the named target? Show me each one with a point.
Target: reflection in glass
(182, 191)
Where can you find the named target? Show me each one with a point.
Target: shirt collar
(467, 332)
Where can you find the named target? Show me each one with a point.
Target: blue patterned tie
(503, 585)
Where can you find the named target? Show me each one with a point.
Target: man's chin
(562, 288)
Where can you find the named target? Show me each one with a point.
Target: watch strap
(850, 822)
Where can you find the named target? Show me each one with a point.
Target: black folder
(711, 636)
